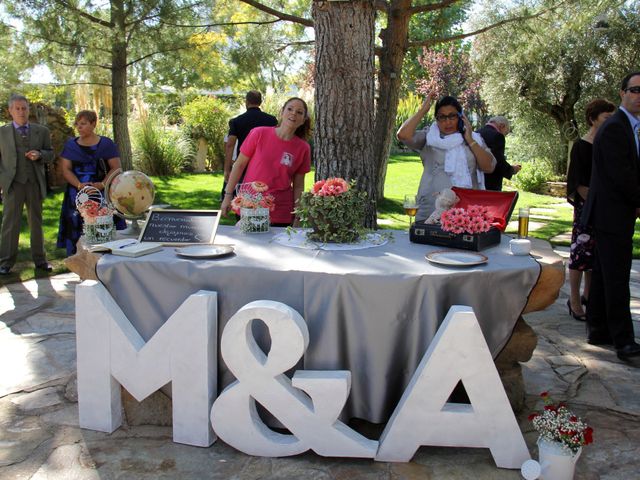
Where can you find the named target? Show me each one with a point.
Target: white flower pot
(556, 462)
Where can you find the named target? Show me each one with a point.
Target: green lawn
(202, 191)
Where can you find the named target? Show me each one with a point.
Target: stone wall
(555, 189)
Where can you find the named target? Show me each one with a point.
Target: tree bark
(119, 84)
(200, 164)
(344, 95)
(394, 49)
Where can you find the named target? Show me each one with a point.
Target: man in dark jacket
(240, 126)
(612, 206)
(493, 134)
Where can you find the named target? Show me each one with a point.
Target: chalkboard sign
(180, 227)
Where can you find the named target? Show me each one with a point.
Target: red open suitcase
(500, 205)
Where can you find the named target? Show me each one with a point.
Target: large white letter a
(423, 416)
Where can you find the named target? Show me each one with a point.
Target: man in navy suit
(493, 134)
(612, 206)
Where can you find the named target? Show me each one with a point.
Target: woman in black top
(578, 179)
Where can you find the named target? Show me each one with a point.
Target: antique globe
(131, 193)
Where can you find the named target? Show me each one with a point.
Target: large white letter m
(112, 353)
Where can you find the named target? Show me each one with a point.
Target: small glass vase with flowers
(253, 204)
(334, 210)
(97, 217)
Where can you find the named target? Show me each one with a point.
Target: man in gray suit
(24, 149)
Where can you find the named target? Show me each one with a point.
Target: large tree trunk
(344, 95)
(394, 49)
(119, 84)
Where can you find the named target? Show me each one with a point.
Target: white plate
(454, 258)
(204, 251)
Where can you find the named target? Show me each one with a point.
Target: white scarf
(455, 158)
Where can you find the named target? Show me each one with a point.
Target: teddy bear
(445, 200)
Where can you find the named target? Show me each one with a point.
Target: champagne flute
(410, 205)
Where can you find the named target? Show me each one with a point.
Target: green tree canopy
(543, 72)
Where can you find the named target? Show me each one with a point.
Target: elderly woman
(452, 154)
(278, 156)
(86, 160)
(578, 179)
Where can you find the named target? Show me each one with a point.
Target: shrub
(159, 150)
(208, 118)
(533, 176)
(406, 108)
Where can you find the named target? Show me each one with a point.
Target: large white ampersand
(312, 419)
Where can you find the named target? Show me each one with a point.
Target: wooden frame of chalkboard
(180, 227)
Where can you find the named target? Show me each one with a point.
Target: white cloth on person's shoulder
(455, 160)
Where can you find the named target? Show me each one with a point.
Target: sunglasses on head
(633, 89)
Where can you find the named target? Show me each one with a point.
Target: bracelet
(227, 193)
(473, 143)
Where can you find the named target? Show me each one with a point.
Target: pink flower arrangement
(330, 187)
(91, 210)
(334, 210)
(252, 195)
(473, 219)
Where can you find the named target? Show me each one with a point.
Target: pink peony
(333, 187)
(317, 187)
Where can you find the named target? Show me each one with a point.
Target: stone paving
(40, 437)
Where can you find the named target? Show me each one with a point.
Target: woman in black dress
(578, 178)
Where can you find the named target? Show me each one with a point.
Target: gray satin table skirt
(372, 311)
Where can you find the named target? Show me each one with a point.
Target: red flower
(532, 416)
(544, 394)
(588, 436)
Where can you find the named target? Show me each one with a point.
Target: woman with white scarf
(450, 158)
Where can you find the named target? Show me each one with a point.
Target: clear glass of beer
(523, 222)
(410, 206)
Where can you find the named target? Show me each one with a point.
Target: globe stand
(133, 227)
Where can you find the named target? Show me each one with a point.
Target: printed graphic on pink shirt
(287, 159)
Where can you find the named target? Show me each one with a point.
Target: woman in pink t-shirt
(278, 156)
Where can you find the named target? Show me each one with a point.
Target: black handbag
(101, 170)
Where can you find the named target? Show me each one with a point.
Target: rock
(68, 462)
(153, 410)
(514, 386)
(67, 416)
(38, 401)
(591, 391)
(46, 323)
(71, 390)
(19, 436)
(35, 362)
